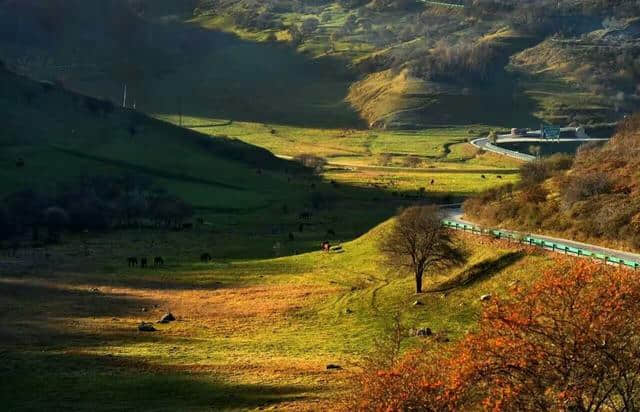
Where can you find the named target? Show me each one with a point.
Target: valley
(248, 168)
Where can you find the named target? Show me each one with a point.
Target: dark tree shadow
(78, 382)
(479, 271)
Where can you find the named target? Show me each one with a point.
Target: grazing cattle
(143, 262)
(484, 177)
(205, 257)
(326, 246)
(132, 261)
(433, 181)
(20, 163)
(499, 177)
(158, 261)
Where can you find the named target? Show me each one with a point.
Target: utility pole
(124, 96)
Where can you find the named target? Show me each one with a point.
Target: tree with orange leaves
(569, 343)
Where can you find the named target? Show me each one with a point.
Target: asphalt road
(456, 216)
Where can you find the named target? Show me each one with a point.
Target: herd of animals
(158, 261)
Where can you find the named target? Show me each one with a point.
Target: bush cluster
(93, 203)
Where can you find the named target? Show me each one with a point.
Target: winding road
(456, 215)
(530, 137)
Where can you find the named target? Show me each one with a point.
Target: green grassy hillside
(236, 188)
(62, 135)
(249, 333)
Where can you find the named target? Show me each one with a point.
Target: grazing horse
(143, 262)
(205, 257)
(132, 261)
(158, 261)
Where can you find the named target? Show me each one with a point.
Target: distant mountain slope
(495, 62)
(382, 63)
(169, 65)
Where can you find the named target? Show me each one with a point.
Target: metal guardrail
(512, 153)
(442, 3)
(543, 243)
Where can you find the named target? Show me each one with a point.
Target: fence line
(543, 243)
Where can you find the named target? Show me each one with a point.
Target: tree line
(95, 203)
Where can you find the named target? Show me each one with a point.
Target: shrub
(559, 162)
(583, 187)
(534, 172)
(412, 161)
(309, 25)
(311, 161)
(567, 343)
(534, 194)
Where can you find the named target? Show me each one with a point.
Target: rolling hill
(597, 200)
(61, 135)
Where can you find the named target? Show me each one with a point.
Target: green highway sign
(550, 132)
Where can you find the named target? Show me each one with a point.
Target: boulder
(146, 327)
(167, 318)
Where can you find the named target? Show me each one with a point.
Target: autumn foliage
(570, 342)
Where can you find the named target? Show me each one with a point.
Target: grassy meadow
(249, 334)
(257, 327)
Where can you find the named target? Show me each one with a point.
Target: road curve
(483, 143)
(457, 216)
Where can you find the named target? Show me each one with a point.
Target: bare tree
(419, 241)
